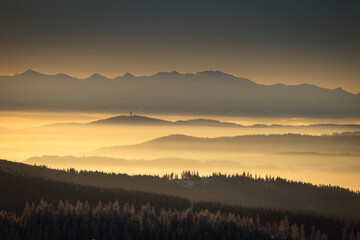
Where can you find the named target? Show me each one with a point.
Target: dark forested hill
(241, 189)
(18, 187)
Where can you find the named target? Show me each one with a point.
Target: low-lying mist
(129, 148)
(79, 140)
(343, 171)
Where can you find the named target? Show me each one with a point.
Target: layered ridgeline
(274, 154)
(209, 92)
(243, 189)
(141, 120)
(73, 211)
(338, 144)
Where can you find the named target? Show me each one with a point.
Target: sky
(287, 41)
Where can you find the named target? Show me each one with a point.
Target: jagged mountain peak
(30, 72)
(172, 73)
(97, 76)
(127, 74)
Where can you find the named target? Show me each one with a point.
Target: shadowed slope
(239, 189)
(21, 183)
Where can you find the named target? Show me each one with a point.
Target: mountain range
(145, 121)
(202, 93)
(206, 122)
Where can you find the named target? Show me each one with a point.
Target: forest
(20, 189)
(113, 221)
(36, 206)
(249, 189)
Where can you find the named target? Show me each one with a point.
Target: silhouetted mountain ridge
(144, 120)
(345, 144)
(97, 76)
(202, 93)
(131, 119)
(32, 73)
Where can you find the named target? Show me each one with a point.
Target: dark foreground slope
(241, 189)
(72, 211)
(18, 187)
(111, 222)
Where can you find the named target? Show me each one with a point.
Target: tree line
(113, 221)
(18, 187)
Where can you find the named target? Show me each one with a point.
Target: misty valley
(205, 155)
(138, 144)
(172, 179)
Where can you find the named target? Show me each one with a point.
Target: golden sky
(291, 42)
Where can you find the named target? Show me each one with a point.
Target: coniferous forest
(35, 206)
(115, 221)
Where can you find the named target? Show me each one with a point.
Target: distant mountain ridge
(145, 120)
(177, 144)
(130, 119)
(202, 93)
(33, 73)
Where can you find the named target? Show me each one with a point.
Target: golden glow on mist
(21, 137)
(26, 119)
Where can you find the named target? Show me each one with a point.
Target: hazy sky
(287, 41)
